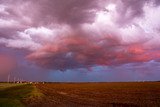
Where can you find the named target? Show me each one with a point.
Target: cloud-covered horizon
(68, 35)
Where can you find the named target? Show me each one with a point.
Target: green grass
(6, 102)
(12, 95)
(7, 85)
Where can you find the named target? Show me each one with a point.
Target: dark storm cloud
(15, 16)
(157, 2)
(20, 14)
(73, 34)
(76, 51)
(131, 9)
(80, 50)
(83, 51)
(45, 12)
(72, 12)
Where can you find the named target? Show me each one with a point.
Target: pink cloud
(81, 34)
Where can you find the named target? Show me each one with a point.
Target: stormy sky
(80, 40)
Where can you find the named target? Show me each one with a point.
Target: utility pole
(14, 80)
(8, 78)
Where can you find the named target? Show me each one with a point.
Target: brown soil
(143, 94)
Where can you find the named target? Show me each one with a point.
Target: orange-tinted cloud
(77, 51)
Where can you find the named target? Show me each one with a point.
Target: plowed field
(129, 94)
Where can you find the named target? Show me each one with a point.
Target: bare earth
(131, 94)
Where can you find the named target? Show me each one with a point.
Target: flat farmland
(127, 94)
(120, 94)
